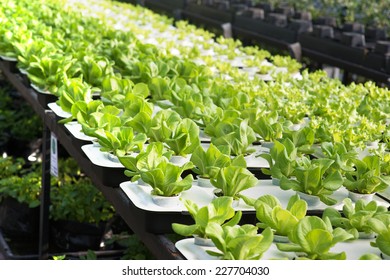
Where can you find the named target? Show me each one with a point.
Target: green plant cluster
(15, 117)
(326, 169)
(20, 181)
(73, 196)
(166, 85)
(198, 90)
(309, 237)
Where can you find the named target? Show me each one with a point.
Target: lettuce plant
(189, 71)
(381, 225)
(94, 69)
(189, 102)
(162, 125)
(181, 135)
(219, 122)
(239, 242)
(341, 156)
(47, 72)
(165, 178)
(282, 159)
(6, 45)
(137, 112)
(159, 88)
(367, 177)
(385, 163)
(120, 140)
(71, 91)
(315, 237)
(104, 117)
(232, 180)
(192, 109)
(268, 126)
(313, 179)
(27, 50)
(302, 138)
(219, 211)
(84, 109)
(292, 65)
(148, 159)
(238, 138)
(11, 33)
(270, 213)
(208, 163)
(140, 122)
(184, 138)
(354, 217)
(144, 71)
(114, 89)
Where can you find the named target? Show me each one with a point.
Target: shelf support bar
(45, 196)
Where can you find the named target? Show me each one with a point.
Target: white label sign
(53, 155)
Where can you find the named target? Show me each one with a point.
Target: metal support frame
(221, 27)
(348, 67)
(45, 196)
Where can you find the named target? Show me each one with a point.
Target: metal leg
(45, 196)
(346, 79)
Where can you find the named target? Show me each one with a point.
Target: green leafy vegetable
(381, 225)
(239, 242)
(313, 179)
(231, 180)
(315, 237)
(367, 177)
(354, 216)
(165, 178)
(219, 211)
(282, 159)
(208, 163)
(237, 137)
(148, 159)
(120, 140)
(271, 214)
(71, 91)
(268, 126)
(342, 157)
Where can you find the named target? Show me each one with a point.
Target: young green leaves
(313, 179)
(381, 226)
(165, 178)
(367, 177)
(219, 211)
(208, 163)
(271, 214)
(232, 180)
(315, 237)
(354, 216)
(239, 242)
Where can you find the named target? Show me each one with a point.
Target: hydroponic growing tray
(58, 111)
(354, 250)
(75, 129)
(140, 197)
(110, 173)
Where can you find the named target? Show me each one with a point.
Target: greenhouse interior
(194, 130)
